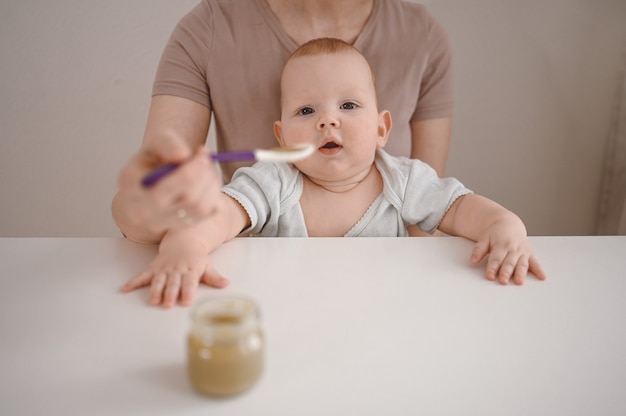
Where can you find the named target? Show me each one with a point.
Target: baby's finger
(172, 290)
(507, 268)
(156, 290)
(492, 269)
(481, 248)
(536, 269)
(189, 284)
(212, 277)
(141, 280)
(521, 270)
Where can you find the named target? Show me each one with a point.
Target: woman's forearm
(133, 228)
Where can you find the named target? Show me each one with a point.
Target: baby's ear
(278, 133)
(384, 127)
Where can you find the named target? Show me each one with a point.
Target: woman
(225, 58)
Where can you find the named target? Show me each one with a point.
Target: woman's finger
(174, 188)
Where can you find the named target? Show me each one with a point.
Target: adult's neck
(334, 8)
(304, 20)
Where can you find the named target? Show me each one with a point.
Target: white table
(369, 326)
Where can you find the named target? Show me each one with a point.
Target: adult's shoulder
(396, 24)
(404, 11)
(221, 13)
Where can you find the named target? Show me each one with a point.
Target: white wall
(75, 84)
(536, 82)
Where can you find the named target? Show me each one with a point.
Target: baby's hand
(510, 254)
(174, 276)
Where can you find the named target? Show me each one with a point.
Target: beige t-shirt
(228, 55)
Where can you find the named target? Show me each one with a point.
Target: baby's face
(329, 100)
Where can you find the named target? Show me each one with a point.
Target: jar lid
(226, 312)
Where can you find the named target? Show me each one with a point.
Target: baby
(349, 187)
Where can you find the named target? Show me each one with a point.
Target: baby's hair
(323, 46)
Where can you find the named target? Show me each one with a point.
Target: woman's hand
(183, 197)
(176, 126)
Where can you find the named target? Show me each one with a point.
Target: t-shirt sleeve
(182, 68)
(436, 98)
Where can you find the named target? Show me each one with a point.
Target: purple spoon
(275, 154)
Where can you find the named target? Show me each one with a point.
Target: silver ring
(182, 214)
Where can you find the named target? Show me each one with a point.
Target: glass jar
(225, 346)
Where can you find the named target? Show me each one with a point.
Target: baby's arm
(183, 261)
(499, 233)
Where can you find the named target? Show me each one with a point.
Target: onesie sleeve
(265, 190)
(419, 195)
(250, 187)
(429, 197)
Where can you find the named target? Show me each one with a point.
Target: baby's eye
(348, 106)
(305, 111)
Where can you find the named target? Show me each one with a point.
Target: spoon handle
(233, 156)
(162, 171)
(159, 173)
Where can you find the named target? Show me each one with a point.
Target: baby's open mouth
(330, 145)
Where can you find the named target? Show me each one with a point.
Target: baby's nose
(323, 124)
(328, 120)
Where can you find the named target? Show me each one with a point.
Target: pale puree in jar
(225, 346)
